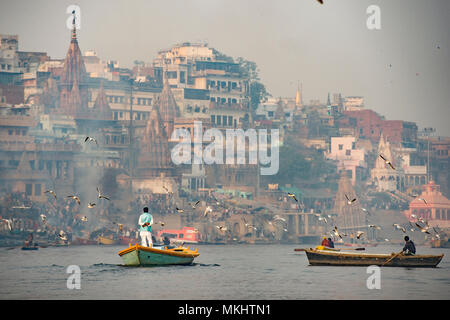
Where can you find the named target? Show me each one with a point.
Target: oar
(390, 259)
(357, 249)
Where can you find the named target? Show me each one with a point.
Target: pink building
(436, 209)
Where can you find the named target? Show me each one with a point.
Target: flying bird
(320, 1)
(387, 162)
(222, 228)
(207, 210)
(194, 205)
(359, 234)
(91, 205)
(292, 196)
(62, 235)
(278, 218)
(422, 199)
(75, 198)
(350, 201)
(162, 223)
(43, 217)
(51, 192)
(337, 234)
(100, 196)
(323, 219)
(423, 229)
(167, 191)
(179, 210)
(84, 219)
(366, 211)
(374, 226)
(89, 139)
(399, 227)
(8, 222)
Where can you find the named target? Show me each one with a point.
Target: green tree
(257, 91)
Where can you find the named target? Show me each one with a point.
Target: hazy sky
(327, 47)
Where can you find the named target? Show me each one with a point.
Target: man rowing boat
(409, 248)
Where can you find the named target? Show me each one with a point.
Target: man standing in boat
(409, 248)
(145, 222)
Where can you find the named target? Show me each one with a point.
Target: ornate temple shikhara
(384, 177)
(350, 217)
(74, 94)
(155, 168)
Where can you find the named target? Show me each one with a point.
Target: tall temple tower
(154, 159)
(350, 216)
(298, 96)
(168, 108)
(74, 94)
(384, 177)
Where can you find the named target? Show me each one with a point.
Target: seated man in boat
(325, 242)
(409, 248)
(166, 241)
(145, 222)
(331, 243)
(29, 240)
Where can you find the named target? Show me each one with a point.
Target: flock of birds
(76, 198)
(419, 224)
(63, 235)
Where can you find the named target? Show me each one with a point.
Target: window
(28, 189)
(230, 121)
(218, 119)
(224, 120)
(347, 152)
(270, 114)
(353, 145)
(37, 189)
(182, 77)
(341, 146)
(213, 118)
(438, 214)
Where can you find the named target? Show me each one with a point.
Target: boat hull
(106, 241)
(144, 256)
(30, 248)
(332, 258)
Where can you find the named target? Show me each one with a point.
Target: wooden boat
(153, 256)
(328, 257)
(30, 248)
(106, 241)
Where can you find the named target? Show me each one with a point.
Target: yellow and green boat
(138, 255)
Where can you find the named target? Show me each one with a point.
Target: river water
(246, 272)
